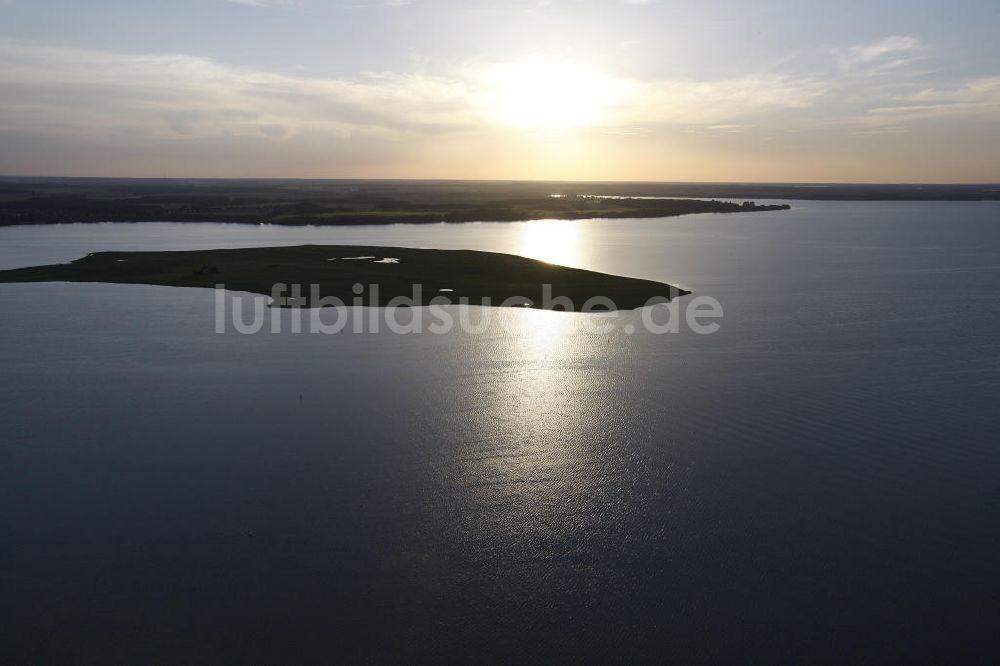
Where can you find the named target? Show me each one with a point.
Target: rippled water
(818, 480)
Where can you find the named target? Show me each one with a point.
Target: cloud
(977, 98)
(66, 90)
(883, 47)
(723, 101)
(61, 89)
(887, 129)
(158, 107)
(261, 3)
(880, 56)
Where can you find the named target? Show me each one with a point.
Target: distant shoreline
(31, 202)
(830, 191)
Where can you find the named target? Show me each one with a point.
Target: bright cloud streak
(193, 110)
(166, 93)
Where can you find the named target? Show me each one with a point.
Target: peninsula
(455, 276)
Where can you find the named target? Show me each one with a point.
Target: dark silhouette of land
(445, 275)
(303, 202)
(348, 202)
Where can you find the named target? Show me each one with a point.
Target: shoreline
(402, 276)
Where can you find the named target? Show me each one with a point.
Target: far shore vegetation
(296, 203)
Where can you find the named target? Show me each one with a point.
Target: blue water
(818, 481)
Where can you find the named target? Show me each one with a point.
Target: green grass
(474, 277)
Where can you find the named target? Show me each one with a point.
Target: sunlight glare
(552, 241)
(547, 93)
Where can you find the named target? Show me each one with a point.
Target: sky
(651, 90)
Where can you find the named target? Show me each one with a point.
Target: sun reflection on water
(553, 241)
(528, 475)
(527, 471)
(544, 335)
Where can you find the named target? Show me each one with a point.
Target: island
(417, 276)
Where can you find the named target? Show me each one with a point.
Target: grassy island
(445, 275)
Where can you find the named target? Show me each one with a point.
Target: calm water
(820, 480)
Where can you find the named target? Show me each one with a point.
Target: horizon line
(516, 180)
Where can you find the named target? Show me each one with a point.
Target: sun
(548, 93)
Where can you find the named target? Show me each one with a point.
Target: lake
(817, 481)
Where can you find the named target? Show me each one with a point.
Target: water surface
(818, 480)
